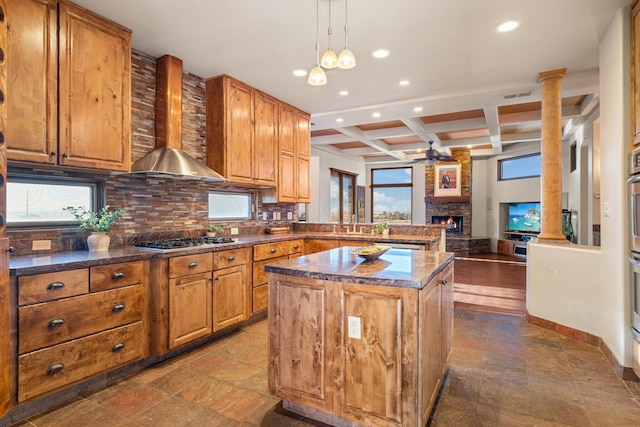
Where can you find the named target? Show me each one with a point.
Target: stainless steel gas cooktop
(168, 245)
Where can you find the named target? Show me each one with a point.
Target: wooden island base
(365, 347)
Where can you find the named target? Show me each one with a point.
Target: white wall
(589, 289)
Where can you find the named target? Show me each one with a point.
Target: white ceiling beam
(330, 139)
(425, 133)
(397, 132)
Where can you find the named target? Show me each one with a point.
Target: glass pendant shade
(317, 77)
(346, 60)
(329, 59)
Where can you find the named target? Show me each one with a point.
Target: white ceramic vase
(385, 232)
(211, 234)
(98, 241)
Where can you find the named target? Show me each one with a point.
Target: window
(573, 157)
(391, 195)
(519, 167)
(343, 196)
(302, 212)
(230, 206)
(38, 201)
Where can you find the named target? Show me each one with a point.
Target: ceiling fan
(433, 156)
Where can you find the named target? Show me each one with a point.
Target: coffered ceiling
(468, 85)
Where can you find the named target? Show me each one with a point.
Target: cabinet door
(303, 153)
(265, 139)
(317, 245)
(95, 91)
(239, 142)
(32, 66)
(287, 182)
(446, 284)
(189, 308)
(430, 355)
(230, 290)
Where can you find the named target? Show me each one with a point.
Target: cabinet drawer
(47, 369)
(296, 246)
(260, 277)
(50, 286)
(190, 264)
(113, 276)
(53, 322)
(270, 250)
(230, 258)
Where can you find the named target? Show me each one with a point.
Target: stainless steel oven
(635, 309)
(634, 187)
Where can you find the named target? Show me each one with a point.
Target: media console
(515, 243)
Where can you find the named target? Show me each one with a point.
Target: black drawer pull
(118, 307)
(55, 323)
(54, 286)
(273, 251)
(117, 275)
(442, 282)
(231, 258)
(117, 347)
(55, 368)
(193, 265)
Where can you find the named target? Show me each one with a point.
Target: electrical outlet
(606, 209)
(278, 216)
(41, 245)
(289, 216)
(234, 231)
(275, 216)
(354, 327)
(264, 216)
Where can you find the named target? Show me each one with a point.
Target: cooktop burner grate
(183, 242)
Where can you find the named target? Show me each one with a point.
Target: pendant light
(317, 77)
(346, 59)
(329, 58)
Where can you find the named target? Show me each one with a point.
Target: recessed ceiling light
(339, 120)
(299, 73)
(404, 82)
(344, 92)
(376, 115)
(380, 53)
(417, 109)
(506, 26)
(469, 146)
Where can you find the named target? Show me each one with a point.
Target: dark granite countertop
(57, 261)
(60, 261)
(397, 267)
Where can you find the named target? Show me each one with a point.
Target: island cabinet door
(430, 354)
(379, 329)
(300, 320)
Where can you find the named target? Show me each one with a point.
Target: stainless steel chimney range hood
(168, 159)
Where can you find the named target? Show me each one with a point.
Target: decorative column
(551, 155)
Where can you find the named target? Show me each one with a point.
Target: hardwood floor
(493, 283)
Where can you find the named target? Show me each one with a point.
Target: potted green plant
(99, 222)
(213, 229)
(381, 228)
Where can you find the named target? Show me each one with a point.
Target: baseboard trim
(624, 372)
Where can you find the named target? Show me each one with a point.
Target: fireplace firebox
(454, 221)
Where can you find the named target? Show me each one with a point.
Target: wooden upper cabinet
(294, 144)
(73, 107)
(241, 132)
(32, 65)
(95, 91)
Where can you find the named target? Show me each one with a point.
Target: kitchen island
(360, 342)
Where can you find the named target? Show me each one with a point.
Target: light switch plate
(606, 209)
(264, 216)
(275, 216)
(289, 216)
(354, 327)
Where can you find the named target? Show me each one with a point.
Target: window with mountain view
(391, 195)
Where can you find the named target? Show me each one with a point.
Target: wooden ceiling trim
(450, 117)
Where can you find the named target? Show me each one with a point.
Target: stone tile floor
(503, 372)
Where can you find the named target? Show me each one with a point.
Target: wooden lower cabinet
(231, 287)
(374, 355)
(74, 324)
(318, 245)
(190, 308)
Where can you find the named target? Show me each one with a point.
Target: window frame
(373, 186)
(501, 162)
(341, 174)
(98, 198)
(252, 205)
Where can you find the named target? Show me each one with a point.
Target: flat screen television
(524, 217)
